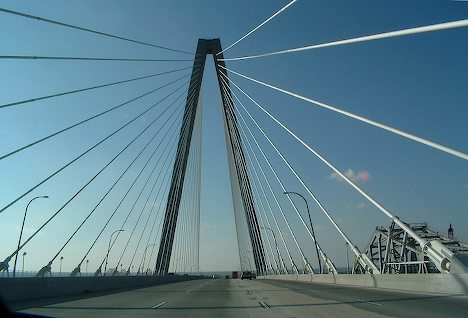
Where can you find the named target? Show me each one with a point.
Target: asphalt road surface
(258, 298)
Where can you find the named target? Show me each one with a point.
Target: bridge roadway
(257, 298)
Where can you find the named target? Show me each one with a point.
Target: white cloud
(354, 176)
(361, 205)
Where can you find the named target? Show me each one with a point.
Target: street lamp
(144, 257)
(347, 258)
(108, 249)
(276, 244)
(22, 227)
(61, 259)
(87, 261)
(22, 270)
(311, 226)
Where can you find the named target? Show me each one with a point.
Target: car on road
(248, 275)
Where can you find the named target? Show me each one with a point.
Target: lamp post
(276, 244)
(22, 269)
(87, 261)
(144, 257)
(347, 259)
(311, 226)
(61, 259)
(22, 227)
(108, 249)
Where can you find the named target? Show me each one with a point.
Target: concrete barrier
(20, 289)
(438, 283)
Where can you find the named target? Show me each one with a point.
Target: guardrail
(438, 283)
(19, 289)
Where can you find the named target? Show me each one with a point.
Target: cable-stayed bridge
(138, 214)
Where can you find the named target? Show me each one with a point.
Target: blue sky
(416, 83)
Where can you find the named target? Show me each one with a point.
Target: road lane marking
(188, 291)
(159, 305)
(376, 304)
(369, 302)
(264, 304)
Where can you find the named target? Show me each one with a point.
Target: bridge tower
(238, 167)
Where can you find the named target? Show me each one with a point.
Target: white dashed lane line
(159, 305)
(368, 302)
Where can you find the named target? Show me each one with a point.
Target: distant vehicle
(248, 275)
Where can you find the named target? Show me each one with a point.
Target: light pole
(276, 244)
(22, 270)
(61, 259)
(347, 259)
(108, 249)
(87, 261)
(22, 227)
(311, 227)
(144, 257)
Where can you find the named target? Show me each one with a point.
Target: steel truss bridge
(162, 173)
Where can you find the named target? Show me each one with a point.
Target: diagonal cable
(88, 119)
(91, 180)
(276, 201)
(404, 32)
(141, 213)
(24, 15)
(123, 198)
(191, 94)
(435, 256)
(421, 140)
(81, 58)
(312, 236)
(120, 177)
(30, 100)
(259, 26)
(87, 151)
